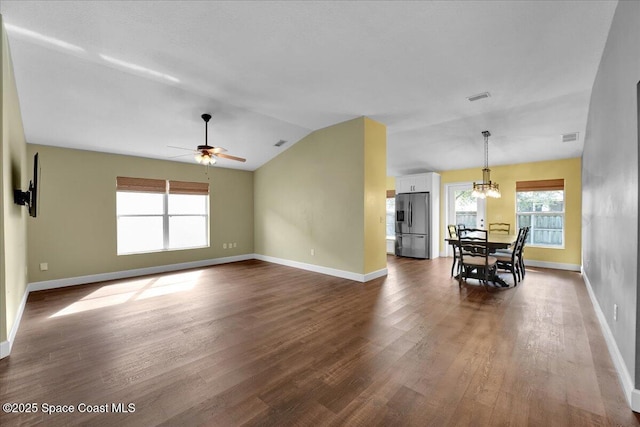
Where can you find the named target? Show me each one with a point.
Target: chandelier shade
(486, 188)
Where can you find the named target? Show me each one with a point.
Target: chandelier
(486, 188)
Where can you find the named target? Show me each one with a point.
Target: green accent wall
(75, 232)
(15, 175)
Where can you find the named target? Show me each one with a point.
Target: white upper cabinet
(418, 183)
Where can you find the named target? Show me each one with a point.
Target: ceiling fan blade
(181, 155)
(180, 148)
(214, 150)
(227, 156)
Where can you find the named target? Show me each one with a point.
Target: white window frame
(392, 236)
(538, 213)
(165, 223)
(168, 216)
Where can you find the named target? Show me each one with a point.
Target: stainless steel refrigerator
(412, 225)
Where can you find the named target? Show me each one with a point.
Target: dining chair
(500, 227)
(453, 234)
(511, 261)
(523, 270)
(474, 257)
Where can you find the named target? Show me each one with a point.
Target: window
(540, 205)
(157, 215)
(391, 214)
(466, 208)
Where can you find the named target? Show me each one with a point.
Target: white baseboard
(554, 265)
(375, 274)
(5, 346)
(632, 394)
(5, 349)
(103, 277)
(324, 270)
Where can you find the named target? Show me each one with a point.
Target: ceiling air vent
(570, 137)
(479, 96)
(280, 143)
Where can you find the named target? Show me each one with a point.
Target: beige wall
(504, 209)
(391, 183)
(13, 218)
(75, 231)
(375, 195)
(311, 197)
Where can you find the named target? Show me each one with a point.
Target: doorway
(462, 208)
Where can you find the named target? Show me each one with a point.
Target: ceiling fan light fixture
(205, 159)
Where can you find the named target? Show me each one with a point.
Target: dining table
(495, 241)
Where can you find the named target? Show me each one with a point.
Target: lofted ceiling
(134, 77)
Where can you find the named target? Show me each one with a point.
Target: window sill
(163, 250)
(529, 245)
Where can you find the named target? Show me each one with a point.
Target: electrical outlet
(44, 266)
(313, 252)
(224, 246)
(615, 312)
(235, 244)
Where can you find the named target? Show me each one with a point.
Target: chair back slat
(500, 227)
(517, 247)
(523, 242)
(474, 244)
(453, 231)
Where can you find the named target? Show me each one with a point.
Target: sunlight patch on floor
(94, 303)
(132, 290)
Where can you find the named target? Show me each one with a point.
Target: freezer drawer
(412, 245)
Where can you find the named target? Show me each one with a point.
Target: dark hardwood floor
(254, 343)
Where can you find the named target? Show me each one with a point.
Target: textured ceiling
(278, 70)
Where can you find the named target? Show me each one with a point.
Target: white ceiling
(278, 70)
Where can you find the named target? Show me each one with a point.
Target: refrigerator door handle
(410, 215)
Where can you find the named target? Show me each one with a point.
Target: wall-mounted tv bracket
(21, 197)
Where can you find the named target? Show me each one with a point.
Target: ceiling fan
(206, 154)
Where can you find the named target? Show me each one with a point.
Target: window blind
(540, 185)
(184, 187)
(145, 185)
